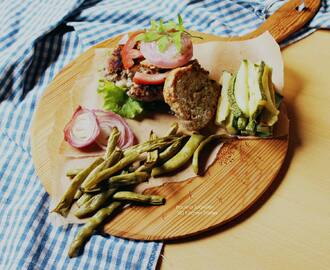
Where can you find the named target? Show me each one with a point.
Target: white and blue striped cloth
(37, 39)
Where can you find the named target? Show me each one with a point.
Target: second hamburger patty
(192, 95)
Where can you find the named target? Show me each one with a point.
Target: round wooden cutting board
(241, 174)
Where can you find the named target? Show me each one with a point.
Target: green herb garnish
(116, 100)
(165, 34)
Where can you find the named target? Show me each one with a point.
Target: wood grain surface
(241, 174)
(288, 228)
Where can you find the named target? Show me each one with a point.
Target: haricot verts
(107, 184)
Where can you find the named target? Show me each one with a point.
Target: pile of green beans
(107, 183)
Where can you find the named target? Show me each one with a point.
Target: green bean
(150, 145)
(124, 172)
(173, 129)
(180, 158)
(64, 205)
(169, 151)
(144, 167)
(107, 173)
(128, 179)
(112, 142)
(137, 164)
(95, 203)
(195, 161)
(72, 173)
(116, 154)
(92, 224)
(140, 198)
(114, 157)
(78, 194)
(152, 157)
(84, 199)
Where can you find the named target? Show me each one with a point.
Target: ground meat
(124, 78)
(116, 72)
(146, 93)
(115, 63)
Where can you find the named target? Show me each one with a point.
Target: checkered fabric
(37, 39)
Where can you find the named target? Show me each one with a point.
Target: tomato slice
(126, 51)
(154, 79)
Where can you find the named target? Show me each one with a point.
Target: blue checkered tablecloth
(37, 39)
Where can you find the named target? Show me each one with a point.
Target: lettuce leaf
(116, 100)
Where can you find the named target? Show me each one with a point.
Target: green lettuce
(116, 100)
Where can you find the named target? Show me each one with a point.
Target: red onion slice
(82, 129)
(170, 58)
(108, 120)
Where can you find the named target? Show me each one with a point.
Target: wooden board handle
(286, 20)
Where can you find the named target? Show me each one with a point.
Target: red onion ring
(108, 120)
(82, 129)
(170, 58)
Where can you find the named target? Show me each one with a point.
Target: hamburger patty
(192, 95)
(146, 93)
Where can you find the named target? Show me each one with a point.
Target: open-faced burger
(157, 62)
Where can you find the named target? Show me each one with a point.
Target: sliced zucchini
(269, 116)
(241, 90)
(223, 109)
(241, 123)
(232, 100)
(257, 98)
(248, 104)
(271, 86)
(251, 127)
(278, 99)
(264, 131)
(231, 124)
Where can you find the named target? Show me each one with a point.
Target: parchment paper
(214, 56)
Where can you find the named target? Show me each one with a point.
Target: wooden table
(289, 228)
